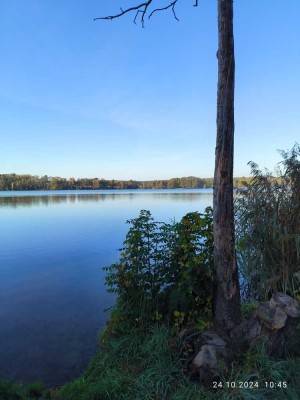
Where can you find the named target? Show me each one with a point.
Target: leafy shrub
(268, 229)
(165, 272)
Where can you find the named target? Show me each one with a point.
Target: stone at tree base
(212, 357)
(271, 316)
(273, 323)
(289, 305)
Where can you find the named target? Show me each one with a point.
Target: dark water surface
(52, 293)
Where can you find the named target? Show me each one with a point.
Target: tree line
(33, 182)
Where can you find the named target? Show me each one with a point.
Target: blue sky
(112, 100)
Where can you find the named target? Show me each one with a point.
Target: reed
(268, 229)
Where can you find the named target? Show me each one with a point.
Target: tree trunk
(227, 297)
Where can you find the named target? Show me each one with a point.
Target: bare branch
(142, 9)
(165, 8)
(144, 6)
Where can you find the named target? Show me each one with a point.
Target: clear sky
(109, 99)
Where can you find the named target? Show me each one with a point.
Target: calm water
(52, 293)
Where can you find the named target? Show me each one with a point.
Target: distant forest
(30, 182)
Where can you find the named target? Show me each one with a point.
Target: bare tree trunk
(227, 298)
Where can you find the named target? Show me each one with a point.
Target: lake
(52, 293)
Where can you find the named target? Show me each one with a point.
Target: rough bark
(227, 297)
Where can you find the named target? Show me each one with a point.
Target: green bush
(268, 229)
(165, 272)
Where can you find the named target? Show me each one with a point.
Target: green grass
(11, 391)
(133, 366)
(139, 366)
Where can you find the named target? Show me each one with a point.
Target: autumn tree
(227, 296)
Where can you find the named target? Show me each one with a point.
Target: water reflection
(14, 201)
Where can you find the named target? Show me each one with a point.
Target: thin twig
(165, 8)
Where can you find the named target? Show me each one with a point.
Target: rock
(279, 318)
(245, 335)
(186, 332)
(208, 356)
(264, 314)
(212, 358)
(212, 338)
(273, 323)
(286, 303)
(205, 365)
(271, 316)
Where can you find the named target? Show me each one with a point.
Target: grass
(133, 366)
(12, 391)
(139, 366)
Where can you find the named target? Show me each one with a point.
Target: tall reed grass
(268, 229)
